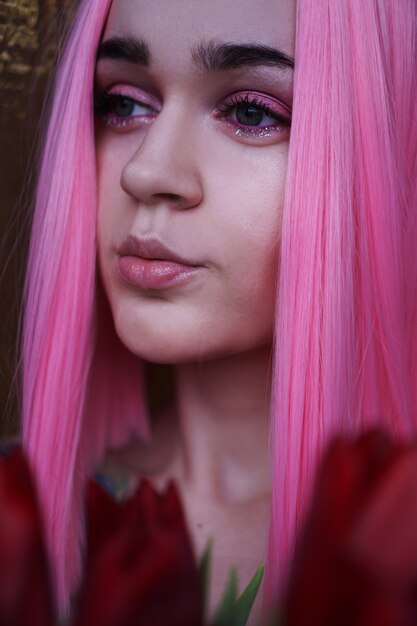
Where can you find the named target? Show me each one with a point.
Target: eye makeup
(122, 105)
(245, 113)
(254, 114)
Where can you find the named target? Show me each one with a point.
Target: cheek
(251, 228)
(113, 218)
(250, 285)
(110, 193)
(248, 244)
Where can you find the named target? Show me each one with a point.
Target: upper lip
(151, 248)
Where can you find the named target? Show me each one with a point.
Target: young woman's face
(193, 124)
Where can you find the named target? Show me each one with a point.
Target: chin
(184, 345)
(165, 350)
(173, 335)
(156, 343)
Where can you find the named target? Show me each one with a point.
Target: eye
(119, 110)
(254, 115)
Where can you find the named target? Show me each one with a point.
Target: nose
(164, 167)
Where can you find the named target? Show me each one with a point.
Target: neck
(223, 417)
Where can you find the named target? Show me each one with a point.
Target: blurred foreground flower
(140, 565)
(139, 562)
(139, 568)
(25, 596)
(355, 565)
(356, 562)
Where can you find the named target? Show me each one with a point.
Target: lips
(150, 264)
(151, 249)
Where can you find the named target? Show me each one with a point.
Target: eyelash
(252, 101)
(105, 103)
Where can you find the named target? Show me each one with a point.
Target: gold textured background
(30, 31)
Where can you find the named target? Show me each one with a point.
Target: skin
(183, 172)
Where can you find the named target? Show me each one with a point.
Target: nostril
(175, 201)
(172, 197)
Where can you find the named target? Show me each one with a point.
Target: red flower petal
(140, 564)
(25, 592)
(356, 563)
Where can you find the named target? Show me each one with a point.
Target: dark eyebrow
(209, 56)
(212, 57)
(125, 48)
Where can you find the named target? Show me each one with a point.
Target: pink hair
(346, 333)
(82, 391)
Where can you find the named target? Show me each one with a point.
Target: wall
(29, 34)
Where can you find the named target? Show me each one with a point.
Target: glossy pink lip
(150, 264)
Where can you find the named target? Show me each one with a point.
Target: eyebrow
(125, 48)
(208, 56)
(213, 57)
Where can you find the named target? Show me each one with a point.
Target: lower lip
(153, 273)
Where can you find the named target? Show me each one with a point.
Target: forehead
(174, 26)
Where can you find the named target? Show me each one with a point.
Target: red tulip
(25, 592)
(140, 566)
(356, 562)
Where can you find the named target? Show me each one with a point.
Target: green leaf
(244, 604)
(225, 612)
(204, 567)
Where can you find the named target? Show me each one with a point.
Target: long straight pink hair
(82, 391)
(346, 336)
